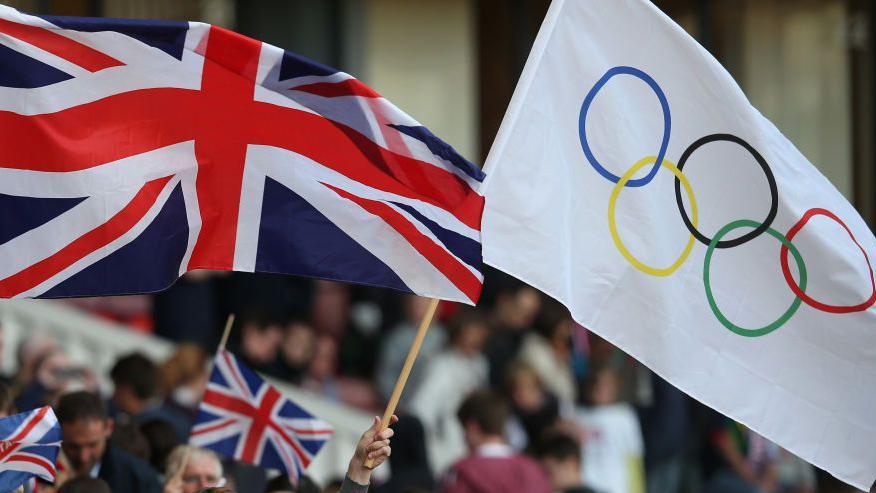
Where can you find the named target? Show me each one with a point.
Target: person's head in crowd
(299, 342)
(55, 375)
(129, 438)
(191, 469)
(330, 312)
(31, 351)
(135, 381)
(162, 438)
(324, 364)
(85, 427)
(560, 456)
(84, 484)
(524, 388)
(555, 324)
(7, 401)
(260, 337)
(516, 307)
(281, 484)
(483, 416)
(468, 331)
(602, 387)
(184, 375)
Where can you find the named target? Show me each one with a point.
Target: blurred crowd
(510, 396)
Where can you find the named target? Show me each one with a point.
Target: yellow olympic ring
(654, 271)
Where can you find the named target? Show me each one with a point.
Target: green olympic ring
(714, 306)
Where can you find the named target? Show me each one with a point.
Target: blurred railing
(96, 344)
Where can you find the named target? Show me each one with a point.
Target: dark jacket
(125, 473)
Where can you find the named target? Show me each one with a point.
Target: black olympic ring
(774, 191)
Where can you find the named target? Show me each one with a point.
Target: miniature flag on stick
(244, 417)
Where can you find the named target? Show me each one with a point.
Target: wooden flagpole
(225, 334)
(406, 370)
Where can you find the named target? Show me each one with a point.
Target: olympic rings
(612, 227)
(774, 191)
(786, 245)
(799, 292)
(692, 222)
(667, 124)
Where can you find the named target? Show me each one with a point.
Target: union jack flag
(132, 152)
(244, 417)
(29, 444)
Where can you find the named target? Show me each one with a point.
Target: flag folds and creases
(244, 417)
(633, 181)
(135, 151)
(29, 445)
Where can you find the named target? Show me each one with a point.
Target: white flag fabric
(633, 181)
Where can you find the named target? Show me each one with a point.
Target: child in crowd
(612, 454)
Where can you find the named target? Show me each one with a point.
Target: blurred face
(298, 345)
(526, 392)
(472, 338)
(84, 442)
(324, 359)
(261, 346)
(200, 473)
(605, 389)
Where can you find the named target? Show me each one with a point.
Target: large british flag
(132, 152)
(244, 417)
(29, 445)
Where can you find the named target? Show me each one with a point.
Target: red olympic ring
(793, 284)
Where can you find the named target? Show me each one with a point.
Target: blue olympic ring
(667, 125)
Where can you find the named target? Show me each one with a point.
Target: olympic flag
(633, 181)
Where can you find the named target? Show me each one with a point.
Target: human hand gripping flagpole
(406, 371)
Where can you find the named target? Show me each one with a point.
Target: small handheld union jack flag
(29, 444)
(244, 417)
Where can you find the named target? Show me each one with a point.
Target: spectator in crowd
(85, 484)
(409, 463)
(560, 456)
(128, 437)
(296, 351)
(612, 459)
(191, 469)
(743, 461)
(447, 379)
(534, 409)
(86, 428)
(330, 311)
(322, 377)
(136, 397)
(184, 377)
(492, 465)
(54, 375)
(395, 345)
(260, 338)
(549, 352)
(512, 316)
(162, 438)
